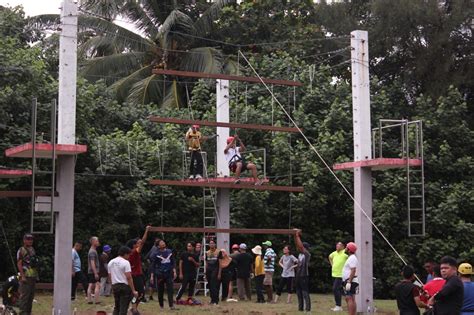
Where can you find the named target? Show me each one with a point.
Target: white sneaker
(198, 176)
(337, 309)
(191, 177)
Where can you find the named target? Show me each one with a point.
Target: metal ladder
(415, 179)
(42, 208)
(209, 221)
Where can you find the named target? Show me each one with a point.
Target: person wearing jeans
(302, 274)
(337, 259)
(120, 275)
(78, 275)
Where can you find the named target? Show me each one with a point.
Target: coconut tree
(168, 35)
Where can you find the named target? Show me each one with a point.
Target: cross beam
(168, 229)
(218, 76)
(23, 194)
(167, 120)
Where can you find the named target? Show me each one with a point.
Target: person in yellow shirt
(259, 273)
(194, 139)
(337, 259)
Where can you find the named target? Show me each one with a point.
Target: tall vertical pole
(362, 176)
(223, 195)
(65, 175)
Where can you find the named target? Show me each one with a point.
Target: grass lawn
(321, 304)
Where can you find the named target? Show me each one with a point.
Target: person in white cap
(259, 273)
(244, 263)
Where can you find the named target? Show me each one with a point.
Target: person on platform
(105, 285)
(302, 274)
(78, 275)
(135, 259)
(244, 262)
(259, 273)
(465, 274)
(288, 263)
(349, 278)
(120, 274)
(194, 139)
(27, 263)
(212, 270)
(237, 162)
(188, 265)
(449, 300)
(164, 273)
(93, 271)
(337, 259)
(407, 294)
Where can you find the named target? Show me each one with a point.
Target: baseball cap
(267, 243)
(28, 236)
(107, 248)
(235, 246)
(196, 126)
(243, 246)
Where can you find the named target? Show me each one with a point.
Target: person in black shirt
(244, 263)
(408, 295)
(212, 269)
(188, 264)
(449, 300)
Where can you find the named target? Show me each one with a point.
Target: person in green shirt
(337, 259)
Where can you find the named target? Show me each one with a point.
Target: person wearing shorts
(269, 265)
(288, 262)
(236, 161)
(135, 259)
(93, 271)
(349, 278)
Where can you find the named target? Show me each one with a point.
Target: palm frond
(203, 59)
(44, 22)
(113, 66)
(108, 9)
(146, 90)
(205, 22)
(97, 46)
(141, 19)
(123, 86)
(178, 22)
(173, 96)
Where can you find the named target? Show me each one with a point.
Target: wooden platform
(202, 75)
(14, 173)
(44, 150)
(378, 164)
(225, 182)
(22, 194)
(168, 229)
(221, 124)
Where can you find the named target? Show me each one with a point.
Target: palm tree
(167, 37)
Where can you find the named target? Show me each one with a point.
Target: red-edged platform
(225, 182)
(377, 164)
(22, 194)
(44, 150)
(11, 173)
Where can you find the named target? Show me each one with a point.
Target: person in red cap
(235, 252)
(349, 278)
(236, 161)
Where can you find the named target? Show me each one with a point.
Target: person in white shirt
(120, 274)
(236, 161)
(349, 278)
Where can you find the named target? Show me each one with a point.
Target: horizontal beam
(166, 120)
(23, 194)
(219, 76)
(168, 229)
(45, 150)
(378, 164)
(212, 184)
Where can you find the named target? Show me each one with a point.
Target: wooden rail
(169, 229)
(220, 124)
(23, 194)
(218, 76)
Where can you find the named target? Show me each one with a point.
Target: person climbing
(194, 139)
(288, 262)
(237, 162)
